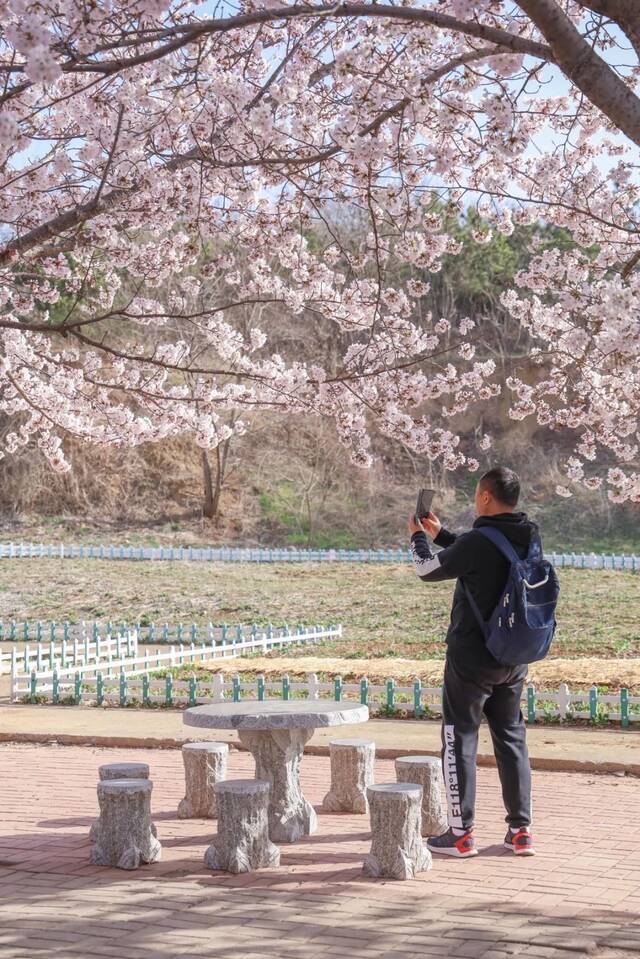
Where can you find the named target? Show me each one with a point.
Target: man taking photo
(474, 682)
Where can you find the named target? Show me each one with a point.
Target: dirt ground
(577, 673)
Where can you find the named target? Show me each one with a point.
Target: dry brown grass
(386, 612)
(393, 625)
(577, 673)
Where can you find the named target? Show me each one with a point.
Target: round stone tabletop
(299, 714)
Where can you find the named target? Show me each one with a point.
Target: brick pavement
(580, 896)
(583, 749)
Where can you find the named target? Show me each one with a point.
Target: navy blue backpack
(521, 627)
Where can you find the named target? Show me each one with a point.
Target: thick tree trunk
(208, 504)
(219, 480)
(213, 489)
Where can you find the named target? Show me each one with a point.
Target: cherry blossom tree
(162, 170)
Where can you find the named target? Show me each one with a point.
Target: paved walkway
(551, 747)
(580, 896)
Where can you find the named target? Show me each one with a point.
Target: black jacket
(484, 569)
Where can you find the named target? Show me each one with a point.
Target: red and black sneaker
(520, 842)
(448, 844)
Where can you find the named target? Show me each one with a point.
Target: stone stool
(124, 837)
(351, 773)
(123, 771)
(397, 850)
(242, 843)
(109, 771)
(205, 764)
(426, 771)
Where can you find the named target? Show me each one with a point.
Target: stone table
(275, 732)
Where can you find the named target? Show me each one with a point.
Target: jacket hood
(515, 526)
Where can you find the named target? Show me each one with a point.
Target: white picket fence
(275, 555)
(80, 649)
(148, 633)
(33, 681)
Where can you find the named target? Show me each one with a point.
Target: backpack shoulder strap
(475, 609)
(535, 549)
(500, 541)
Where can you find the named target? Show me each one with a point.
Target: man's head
(497, 491)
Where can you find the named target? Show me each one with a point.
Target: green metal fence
(389, 698)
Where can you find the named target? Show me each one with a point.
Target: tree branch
(82, 213)
(625, 13)
(584, 67)
(183, 35)
(112, 151)
(630, 265)
(430, 78)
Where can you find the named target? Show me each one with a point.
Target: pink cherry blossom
(176, 183)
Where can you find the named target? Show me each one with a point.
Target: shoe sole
(452, 851)
(519, 852)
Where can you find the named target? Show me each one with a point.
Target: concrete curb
(547, 764)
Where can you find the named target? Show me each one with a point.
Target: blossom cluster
(161, 176)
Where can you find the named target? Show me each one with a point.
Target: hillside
(285, 486)
(288, 481)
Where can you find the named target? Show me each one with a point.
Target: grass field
(557, 519)
(385, 610)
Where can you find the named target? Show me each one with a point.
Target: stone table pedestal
(205, 764)
(276, 733)
(277, 754)
(426, 771)
(397, 850)
(124, 837)
(351, 772)
(242, 843)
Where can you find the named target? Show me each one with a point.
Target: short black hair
(503, 484)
